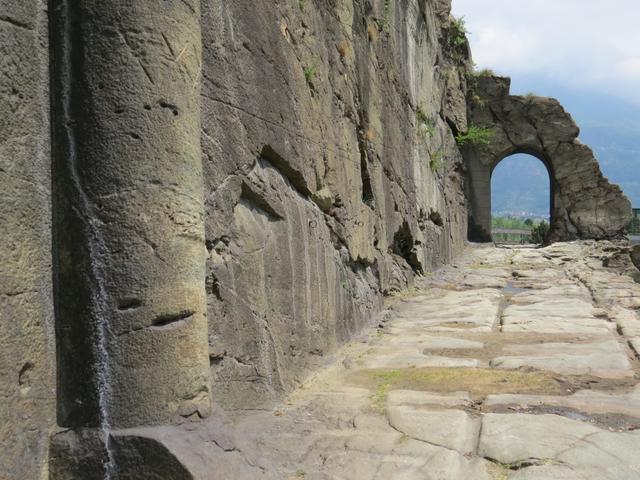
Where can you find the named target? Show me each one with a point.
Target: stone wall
(332, 175)
(27, 384)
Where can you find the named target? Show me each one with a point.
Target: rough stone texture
(551, 472)
(512, 438)
(600, 359)
(321, 194)
(129, 233)
(453, 429)
(587, 401)
(361, 417)
(553, 315)
(440, 311)
(583, 202)
(27, 363)
(517, 438)
(204, 451)
(415, 398)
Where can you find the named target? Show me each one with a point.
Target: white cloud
(631, 68)
(583, 43)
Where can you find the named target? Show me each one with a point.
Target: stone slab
(587, 401)
(452, 429)
(446, 310)
(417, 360)
(416, 398)
(434, 342)
(558, 316)
(602, 359)
(512, 438)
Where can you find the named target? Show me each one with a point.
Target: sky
(592, 45)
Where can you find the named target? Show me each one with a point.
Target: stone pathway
(516, 363)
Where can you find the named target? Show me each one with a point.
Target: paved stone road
(516, 363)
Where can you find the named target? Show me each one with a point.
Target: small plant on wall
(421, 116)
(458, 33)
(426, 126)
(384, 23)
(485, 72)
(310, 73)
(436, 162)
(475, 136)
(472, 84)
(458, 36)
(479, 100)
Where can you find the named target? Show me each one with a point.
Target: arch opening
(521, 198)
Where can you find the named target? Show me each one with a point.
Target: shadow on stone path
(516, 363)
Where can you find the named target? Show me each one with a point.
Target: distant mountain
(608, 125)
(520, 188)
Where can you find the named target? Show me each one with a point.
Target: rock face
(27, 381)
(583, 202)
(129, 234)
(129, 249)
(332, 175)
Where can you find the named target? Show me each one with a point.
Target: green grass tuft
(475, 136)
(426, 126)
(485, 72)
(436, 161)
(458, 33)
(310, 73)
(379, 398)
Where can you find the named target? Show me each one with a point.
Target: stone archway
(584, 204)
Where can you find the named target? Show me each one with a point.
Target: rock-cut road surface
(513, 364)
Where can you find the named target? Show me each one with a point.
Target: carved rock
(584, 205)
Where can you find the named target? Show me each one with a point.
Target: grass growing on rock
(498, 472)
(479, 382)
(475, 136)
(310, 73)
(379, 398)
(421, 116)
(425, 126)
(485, 72)
(436, 161)
(405, 293)
(384, 23)
(459, 32)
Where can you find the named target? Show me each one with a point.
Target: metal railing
(511, 235)
(634, 226)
